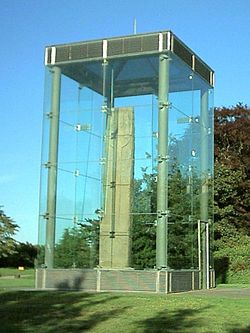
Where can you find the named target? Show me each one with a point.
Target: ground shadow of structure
(172, 321)
(53, 311)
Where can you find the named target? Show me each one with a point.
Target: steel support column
(162, 178)
(204, 125)
(52, 166)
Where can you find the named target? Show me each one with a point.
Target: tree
(231, 204)
(232, 170)
(182, 223)
(232, 142)
(144, 222)
(71, 250)
(232, 184)
(7, 230)
(182, 233)
(24, 255)
(232, 165)
(78, 246)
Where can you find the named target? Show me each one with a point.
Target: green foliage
(78, 246)
(233, 255)
(182, 223)
(182, 233)
(7, 230)
(240, 278)
(40, 259)
(24, 255)
(229, 218)
(231, 203)
(144, 222)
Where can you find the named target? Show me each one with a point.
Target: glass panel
(107, 163)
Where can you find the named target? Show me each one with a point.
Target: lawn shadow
(171, 321)
(54, 311)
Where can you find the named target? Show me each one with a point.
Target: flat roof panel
(134, 60)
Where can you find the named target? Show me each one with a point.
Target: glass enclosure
(127, 162)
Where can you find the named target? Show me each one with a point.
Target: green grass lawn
(56, 311)
(234, 285)
(13, 278)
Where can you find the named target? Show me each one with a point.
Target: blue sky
(217, 30)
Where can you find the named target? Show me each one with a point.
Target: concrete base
(120, 280)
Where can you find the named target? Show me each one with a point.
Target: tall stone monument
(115, 235)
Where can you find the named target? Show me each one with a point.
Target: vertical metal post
(52, 166)
(106, 124)
(204, 184)
(107, 227)
(199, 251)
(162, 178)
(207, 257)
